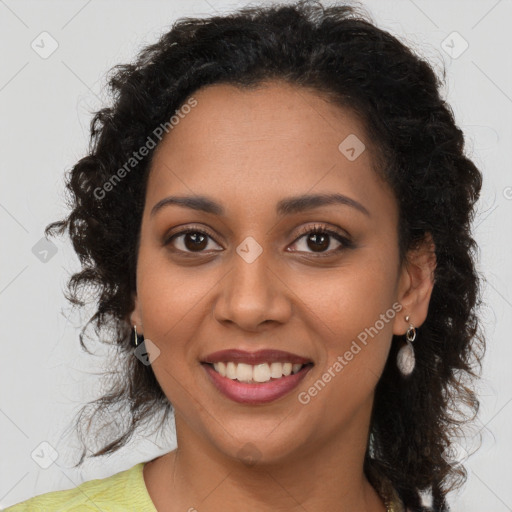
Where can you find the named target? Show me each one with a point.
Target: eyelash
(317, 229)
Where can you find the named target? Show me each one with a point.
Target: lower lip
(249, 393)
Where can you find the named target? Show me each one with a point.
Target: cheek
(170, 300)
(170, 294)
(353, 312)
(352, 297)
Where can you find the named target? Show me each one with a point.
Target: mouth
(257, 377)
(256, 374)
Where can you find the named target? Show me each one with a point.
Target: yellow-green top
(125, 491)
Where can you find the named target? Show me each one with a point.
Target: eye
(320, 238)
(190, 240)
(317, 238)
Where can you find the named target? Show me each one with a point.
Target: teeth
(296, 367)
(244, 372)
(261, 372)
(276, 370)
(256, 373)
(230, 370)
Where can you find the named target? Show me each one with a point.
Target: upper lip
(253, 358)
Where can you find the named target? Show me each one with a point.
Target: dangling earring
(405, 359)
(137, 337)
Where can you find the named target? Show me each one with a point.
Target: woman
(275, 214)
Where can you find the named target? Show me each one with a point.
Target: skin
(247, 150)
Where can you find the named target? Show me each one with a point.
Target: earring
(136, 337)
(405, 359)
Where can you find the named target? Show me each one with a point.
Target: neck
(197, 476)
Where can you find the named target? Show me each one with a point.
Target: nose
(252, 295)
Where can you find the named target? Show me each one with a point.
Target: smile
(255, 377)
(263, 372)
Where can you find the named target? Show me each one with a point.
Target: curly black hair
(339, 52)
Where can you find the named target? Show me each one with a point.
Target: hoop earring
(406, 360)
(136, 337)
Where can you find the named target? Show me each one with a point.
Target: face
(249, 275)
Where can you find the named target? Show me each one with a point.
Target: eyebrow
(284, 207)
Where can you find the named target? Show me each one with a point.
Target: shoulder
(122, 492)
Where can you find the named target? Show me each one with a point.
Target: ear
(136, 316)
(415, 285)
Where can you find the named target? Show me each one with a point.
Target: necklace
(386, 492)
(390, 505)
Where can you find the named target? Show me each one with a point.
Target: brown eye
(318, 241)
(195, 241)
(321, 240)
(191, 240)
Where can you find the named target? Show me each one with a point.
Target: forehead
(264, 142)
(272, 112)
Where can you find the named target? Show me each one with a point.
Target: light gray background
(44, 122)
